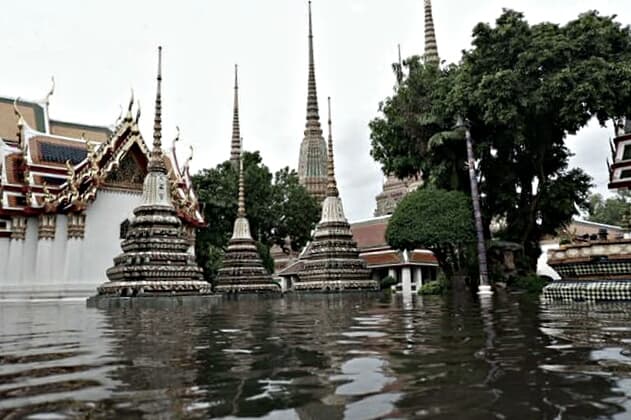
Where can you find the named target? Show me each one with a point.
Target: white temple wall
(30, 252)
(14, 267)
(4, 258)
(59, 250)
(66, 267)
(102, 242)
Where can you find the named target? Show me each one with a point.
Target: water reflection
(318, 357)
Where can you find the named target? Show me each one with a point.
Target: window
(626, 154)
(625, 174)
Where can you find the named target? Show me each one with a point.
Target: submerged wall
(63, 266)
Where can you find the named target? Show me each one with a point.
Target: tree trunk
(477, 213)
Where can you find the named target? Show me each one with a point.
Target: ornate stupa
(155, 258)
(312, 160)
(242, 269)
(331, 261)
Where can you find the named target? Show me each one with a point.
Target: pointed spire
(313, 117)
(431, 47)
(241, 211)
(235, 146)
(331, 188)
(399, 67)
(156, 163)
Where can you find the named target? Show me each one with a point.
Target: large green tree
(524, 88)
(611, 210)
(280, 211)
(438, 220)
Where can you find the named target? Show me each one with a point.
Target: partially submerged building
(65, 191)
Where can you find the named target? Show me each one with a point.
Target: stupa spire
(313, 116)
(331, 188)
(241, 211)
(431, 47)
(235, 146)
(156, 162)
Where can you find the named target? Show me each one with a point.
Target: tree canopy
(610, 211)
(434, 219)
(523, 88)
(277, 206)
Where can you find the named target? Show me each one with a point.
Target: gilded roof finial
(431, 47)
(235, 146)
(241, 211)
(50, 92)
(156, 163)
(20, 123)
(137, 112)
(176, 139)
(331, 188)
(128, 116)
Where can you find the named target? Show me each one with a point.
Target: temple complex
(312, 162)
(155, 258)
(65, 188)
(331, 261)
(242, 269)
(394, 188)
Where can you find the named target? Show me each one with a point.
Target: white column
(406, 280)
(29, 257)
(72, 261)
(14, 269)
(392, 273)
(4, 260)
(418, 277)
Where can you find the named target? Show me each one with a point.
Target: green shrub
(432, 288)
(531, 283)
(387, 282)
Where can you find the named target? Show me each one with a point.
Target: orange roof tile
(370, 234)
(387, 258)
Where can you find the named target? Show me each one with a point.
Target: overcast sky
(98, 51)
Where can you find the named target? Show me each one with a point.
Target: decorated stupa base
(588, 290)
(154, 288)
(243, 270)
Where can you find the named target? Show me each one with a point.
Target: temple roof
(46, 167)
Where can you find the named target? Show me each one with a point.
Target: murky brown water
(320, 357)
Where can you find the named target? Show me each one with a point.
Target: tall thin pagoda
(155, 258)
(242, 269)
(312, 161)
(331, 261)
(235, 144)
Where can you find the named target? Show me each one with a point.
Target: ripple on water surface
(356, 356)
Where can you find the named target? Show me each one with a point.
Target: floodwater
(317, 357)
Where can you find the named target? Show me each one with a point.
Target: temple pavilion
(331, 262)
(66, 190)
(155, 258)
